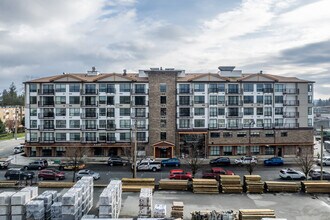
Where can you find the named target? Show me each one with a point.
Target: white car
(18, 149)
(290, 174)
(82, 173)
(246, 160)
(326, 161)
(144, 160)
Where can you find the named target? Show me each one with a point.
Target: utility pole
(250, 124)
(321, 152)
(135, 150)
(16, 116)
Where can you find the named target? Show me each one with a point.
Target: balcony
(46, 140)
(238, 103)
(184, 91)
(110, 127)
(234, 91)
(268, 90)
(89, 140)
(291, 103)
(146, 103)
(290, 114)
(46, 127)
(89, 115)
(89, 91)
(45, 104)
(88, 127)
(49, 115)
(89, 104)
(140, 91)
(46, 92)
(234, 114)
(291, 91)
(145, 115)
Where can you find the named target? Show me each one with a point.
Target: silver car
(290, 174)
(82, 173)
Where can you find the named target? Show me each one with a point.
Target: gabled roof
(66, 75)
(103, 76)
(209, 76)
(163, 144)
(271, 77)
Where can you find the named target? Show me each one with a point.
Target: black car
(35, 165)
(117, 160)
(18, 174)
(220, 161)
(316, 175)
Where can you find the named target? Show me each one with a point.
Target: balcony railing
(145, 115)
(234, 91)
(238, 103)
(140, 91)
(111, 140)
(108, 90)
(88, 127)
(89, 91)
(290, 114)
(110, 127)
(89, 115)
(291, 103)
(45, 104)
(216, 90)
(146, 103)
(46, 91)
(190, 103)
(46, 128)
(234, 114)
(268, 90)
(49, 115)
(291, 91)
(46, 140)
(89, 104)
(185, 91)
(89, 140)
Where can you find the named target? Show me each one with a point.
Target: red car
(51, 174)
(179, 174)
(216, 172)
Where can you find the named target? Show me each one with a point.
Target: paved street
(6, 147)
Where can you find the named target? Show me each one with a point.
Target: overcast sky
(47, 37)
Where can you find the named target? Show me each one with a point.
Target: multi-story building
(169, 112)
(11, 115)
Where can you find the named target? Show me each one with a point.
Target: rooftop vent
(226, 68)
(228, 71)
(93, 71)
(124, 72)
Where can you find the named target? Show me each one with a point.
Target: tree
(2, 127)
(250, 167)
(23, 121)
(128, 153)
(10, 124)
(76, 155)
(196, 151)
(305, 162)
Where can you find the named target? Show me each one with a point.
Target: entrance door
(163, 152)
(279, 152)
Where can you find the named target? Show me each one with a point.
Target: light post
(250, 124)
(135, 149)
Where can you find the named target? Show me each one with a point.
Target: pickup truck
(4, 162)
(216, 172)
(149, 166)
(246, 160)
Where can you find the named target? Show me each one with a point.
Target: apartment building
(169, 112)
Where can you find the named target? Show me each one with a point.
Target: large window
(269, 150)
(268, 111)
(199, 123)
(213, 123)
(199, 111)
(74, 100)
(162, 87)
(60, 123)
(213, 112)
(260, 111)
(279, 87)
(199, 87)
(278, 99)
(184, 88)
(33, 124)
(140, 88)
(60, 136)
(74, 136)
(140, 112)
(184, 123)
(125, 112)
(213, 100)
(75, 87)
(90, 89)
(260, 99)
(60, 100)
(60, 87)
(102, 100)
(111, 100)
(162, 136)
(184, 100)
(60, 112)
(74, 112)
(33, 100)
(268, 100)
(248, 87)
(215, 88)
(241, 150)
(162, 99)
(141, 136)
(248, 111)
(125, 87)
(278, 110)
(214, 150)
(221, 99)
(255, 150)
(33, 87)
(33, 112)
(140, 100)
(125, 136)
(227, 151)
(124, 99)
(125, 123)
(260, 87)
(248, 99)
(110, 112)
(199, 99)
(184, 112)
(233, 88)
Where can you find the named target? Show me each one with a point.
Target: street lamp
(250, 124)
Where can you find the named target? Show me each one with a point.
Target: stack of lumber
(205, 186)
(253, 184)
(177, 210)
(136, 184)
(213, 215)
(316, 186)
(274, 186)
(256, 214)
(168, 184)
(230, 184)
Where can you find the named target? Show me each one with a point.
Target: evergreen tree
(2, 127)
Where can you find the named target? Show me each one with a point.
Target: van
(18, 149)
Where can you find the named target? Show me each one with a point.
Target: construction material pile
(159, 211)
(177, 210)
(213, 215)
(35, 210)
(145, 203)
(5, 203)
(316, 186)
(136, 184)
(274, 186)
(78, 200)
(110, 200)
(56, 211)
(207, 186)
(167, 184)
(47, 198)
(253, 184)
(255, 214)
(230, 184)
(19, 201)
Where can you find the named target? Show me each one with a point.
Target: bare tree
(128, 153)
(250, 167)
(196, 152)
(76, 156)
(306, 162)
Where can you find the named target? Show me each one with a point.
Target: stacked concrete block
(87, 217)
(117, 186)
(86, 185)
(159, 211)
(5, 205)
(18, 202)
(33, 191)
(56, 211)
(107, 203)
(145, 203)
(35, 210)
(71, 204)
(48, 197)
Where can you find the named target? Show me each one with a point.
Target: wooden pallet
(205, 186)
(166, 184)
(275, 186)
(316, 186)
(256, 214)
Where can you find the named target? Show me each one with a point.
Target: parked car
(18, 174)
(35, 165)
(4, 162)
(45, 162)
(246, 160)
(180, 174)
(143, 160)
(71, 166)
(326, 161)
(216, 172)
(117, 160)
(82, 173)
(220, 161)
(18, 149)
(171, 162)
(290, 174)
(51, 174)
(316, 175)
(149, 166)
(274, 161)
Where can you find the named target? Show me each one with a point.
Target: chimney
(260, 72)
(124, 72)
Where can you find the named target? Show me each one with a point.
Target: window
(213, 123)
(199, 123)
(124, 87)
(227, 134)
(221, 123)
(140, 88)
(111, 100)
(125, 112)
(125, 100)
(110, 112)
(221, 111)
(163, 136)
(90, 89)
(221, 99)
(248, 87)
(102, 100)
(214, 135)
(233, 88)
(34, 137)
(184, 112)
(248, 99)
(74, 112)
(310, 110)
(141, 123)
(162, 87)
(213, 100)
(284, 134)
(125, 136)
(74, 136)
(269, 134)
(102, 136)
(279, 87)
(163, 112)
(269, 150)
(241, 150)
(60, 100)
(248, 111)
(255, 134)
(268, 100)
(141, 136)
(163, 123)
(199, 99)
(248, 123)
(60, 87)
(75, 87)
(33, 124)
(184, 100)
(102, 124)
(213, 112)
(233, 100)
(255, 150)
(214, 150)
(199, 111)
(199, 87)
(125, 123)
(140, 100)
(310, 87)
(140, 112)
(60, 112)
(163, 100)
(60, 124)
(310, 99)
(47, 89)
(278, 122)
(33, 112)
(260, 111)
(260, 99)
(227, 151)
(60, 136)
(74, 100)
(184, 88)
(102, 111)
(278, 99)
(215, 88)
(260, 122)
(241, 134)
(268, 111)
(278, 110)
(260, 87)
(184, 123)
(268, 88)
(310, 122)
(33, 87)
(33, 100)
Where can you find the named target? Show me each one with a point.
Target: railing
(234, 114)
(47, 104)
(216, 90)
(110, 127)
(47, 140)
(89, 115)
(108, 90)
(291, 102)
(111, 140)
(140, 91)
(46, 91)
(146, 103)
(89, 140)
(268, 90)
(88, 127)
(44, 128)
(134, 115)
(234, 91)
(89, 91)
(291, 91)
(190, 103)
(290, 114)
(184, 91)
(238, 103)
(93, 104)
(50, 115)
